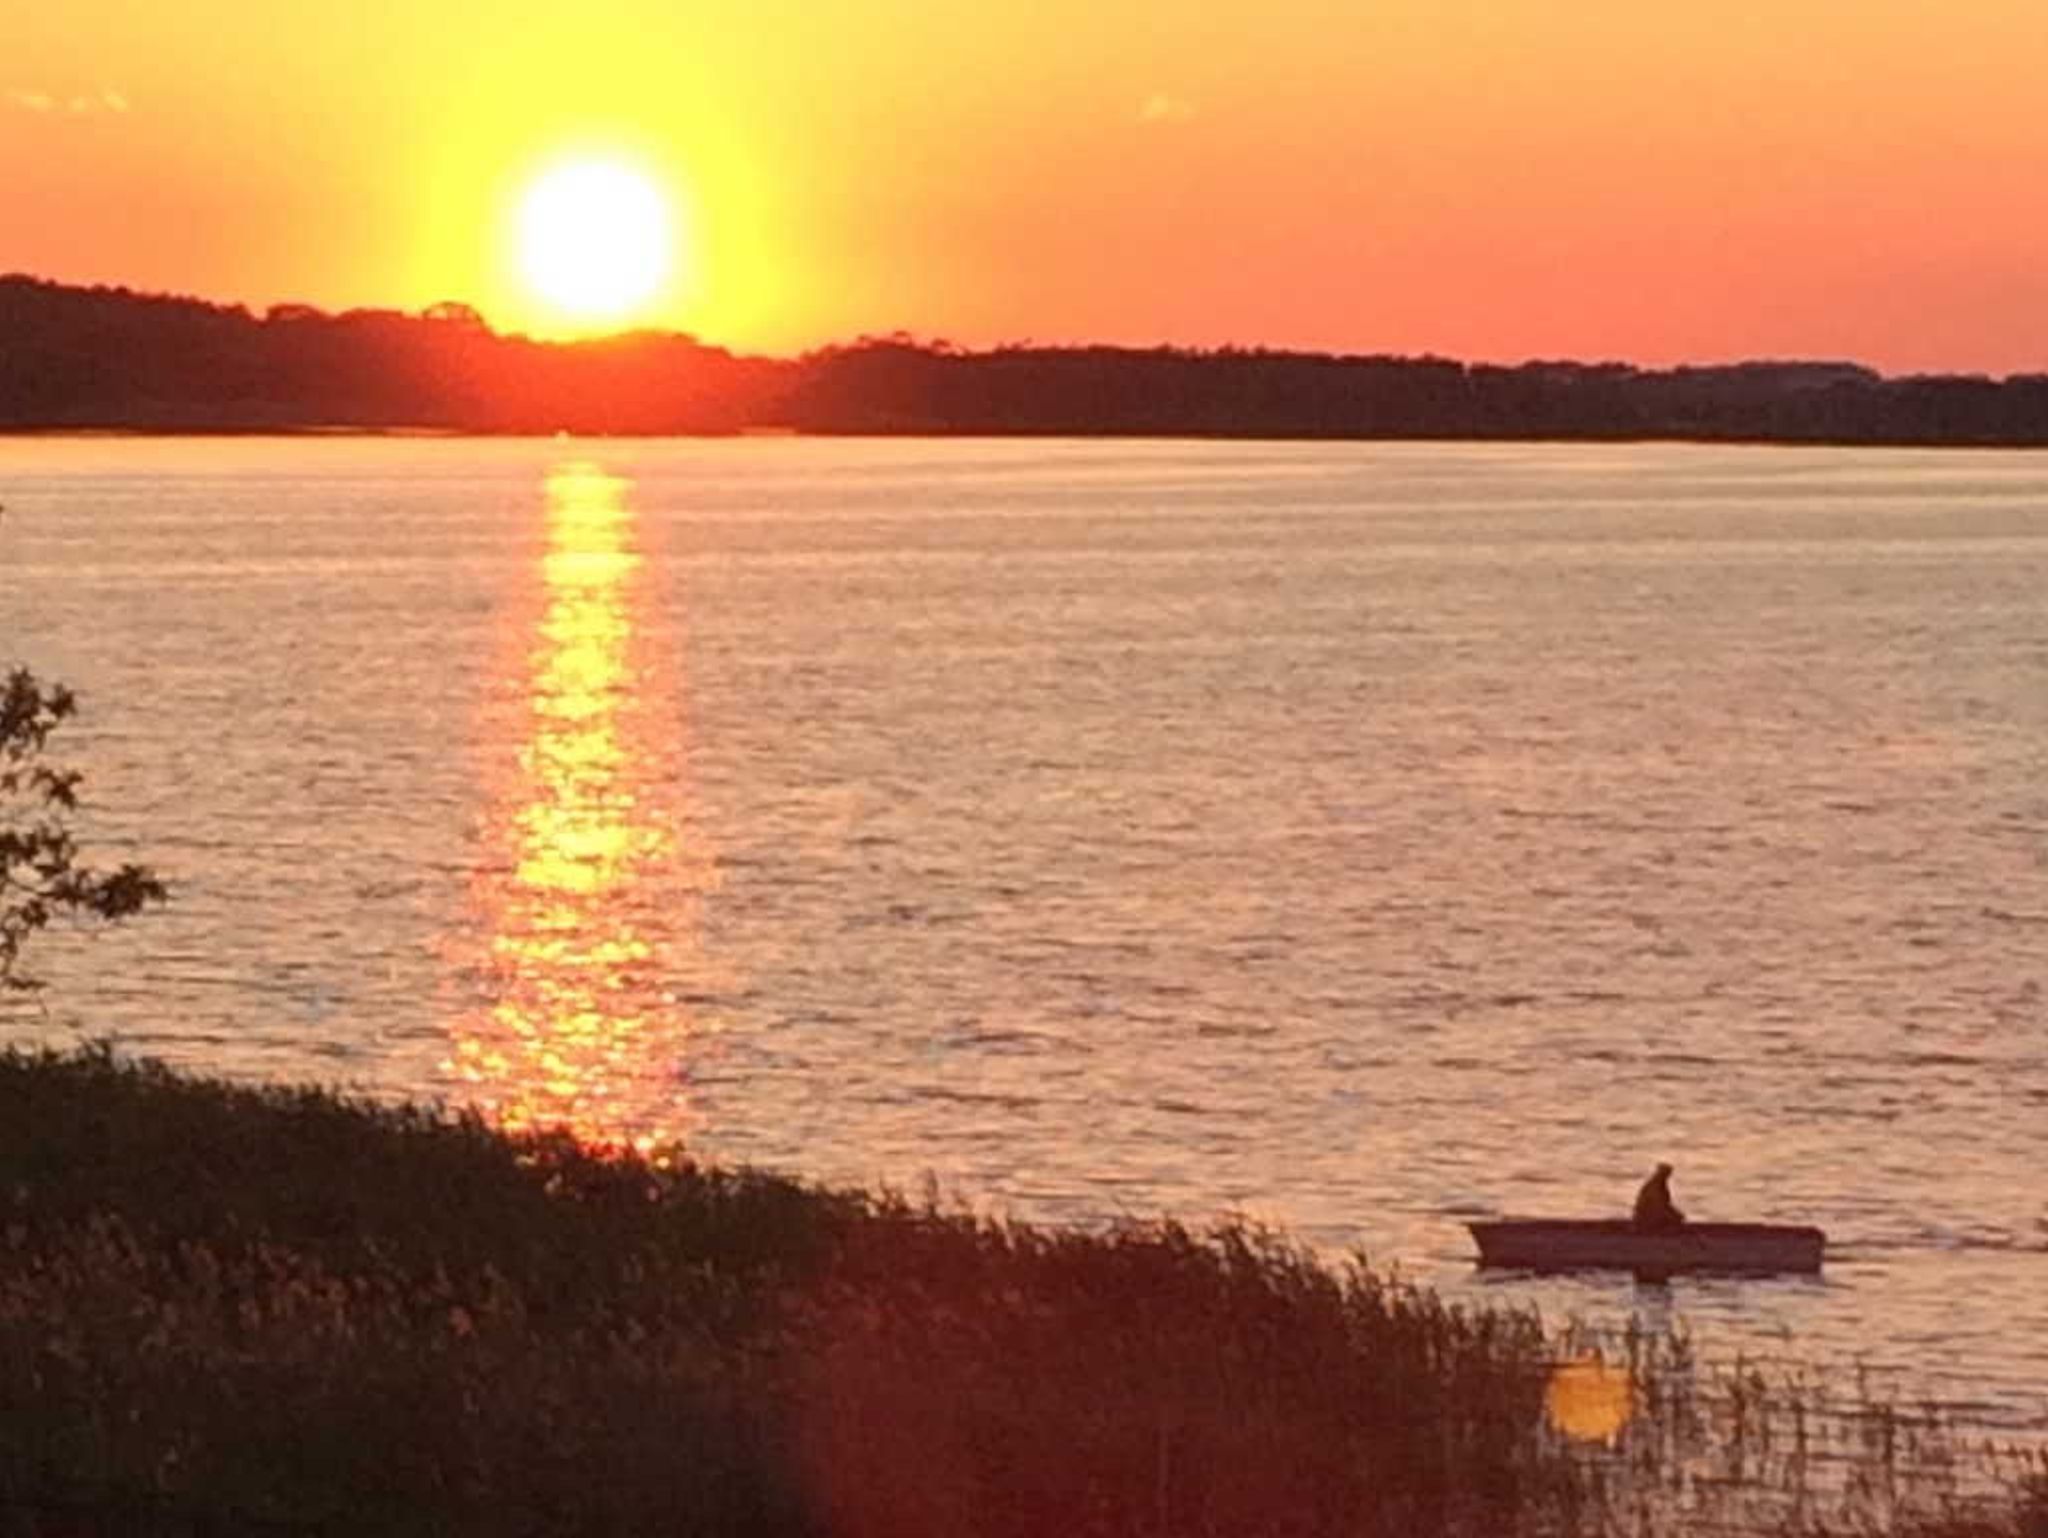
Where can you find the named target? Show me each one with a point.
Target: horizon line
(270, 314)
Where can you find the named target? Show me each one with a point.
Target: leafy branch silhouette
(41, 876)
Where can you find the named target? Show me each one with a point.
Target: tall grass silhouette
(230, 1310)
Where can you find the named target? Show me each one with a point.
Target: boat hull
(1553, 1244)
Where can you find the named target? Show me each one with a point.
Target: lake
(1363, 837)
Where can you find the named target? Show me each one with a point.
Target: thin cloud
(104, 100)
(1159, 107)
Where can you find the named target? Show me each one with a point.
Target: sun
(596, 239)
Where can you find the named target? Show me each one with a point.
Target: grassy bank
(226, 1310)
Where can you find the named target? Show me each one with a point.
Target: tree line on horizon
(101, 357)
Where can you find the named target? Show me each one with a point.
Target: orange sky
(1646, 179)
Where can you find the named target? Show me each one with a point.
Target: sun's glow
(596, 239)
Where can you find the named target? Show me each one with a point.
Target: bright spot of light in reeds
(1589, 1401)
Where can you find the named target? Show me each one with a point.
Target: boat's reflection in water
(591, 881)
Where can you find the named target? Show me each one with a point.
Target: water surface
(1364, 837)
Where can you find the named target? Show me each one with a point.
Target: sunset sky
(1656, 180)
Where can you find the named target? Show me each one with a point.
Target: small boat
(1564, 1244)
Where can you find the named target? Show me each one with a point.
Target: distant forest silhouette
(73, 357)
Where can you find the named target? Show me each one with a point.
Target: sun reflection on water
(592, 882)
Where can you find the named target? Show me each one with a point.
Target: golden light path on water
(591, 887)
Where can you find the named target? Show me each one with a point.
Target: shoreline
(111, 358)
(400, 431)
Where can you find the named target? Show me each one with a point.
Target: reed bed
(229, 1310)
(1752, 1447)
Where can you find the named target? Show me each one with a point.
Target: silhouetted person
(1654, 1207)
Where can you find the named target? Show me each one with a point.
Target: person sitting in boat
(1654, 1207)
